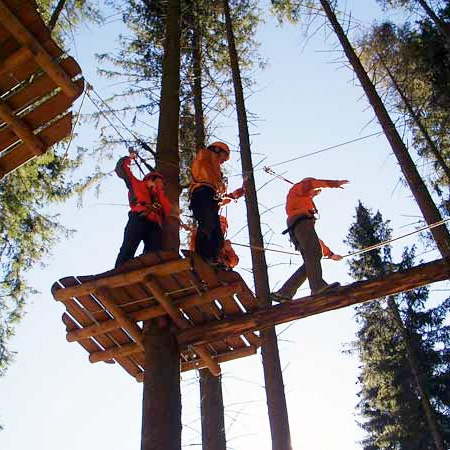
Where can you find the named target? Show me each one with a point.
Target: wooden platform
(38, 83)
(103, 312)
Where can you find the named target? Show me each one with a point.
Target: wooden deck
(38, 83)
(104, 312)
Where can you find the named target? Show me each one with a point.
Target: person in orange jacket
(227, 255)
(291, 286)
(148, 206)
(207, 191)
(301, 212)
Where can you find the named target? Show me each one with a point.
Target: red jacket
(152, 203)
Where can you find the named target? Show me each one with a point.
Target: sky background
(305, 100)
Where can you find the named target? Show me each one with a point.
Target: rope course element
(357, 252)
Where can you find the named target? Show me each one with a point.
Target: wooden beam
(223, 357)
(352, 294)
(21, 129)
(15, 60)
(175, 314)
(42, 57)
(115, 353)
(105, 296)
(121, 279)
(154, 311)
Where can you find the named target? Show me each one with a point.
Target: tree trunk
(414, 364)
(197, 87)
(211, 399)
(276, 401)
(211, 403)
(416, 184)
(55, 14)
(161, 411)
(415, 116)
(443, 27)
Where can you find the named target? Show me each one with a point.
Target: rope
(357, 252)
(75, 124)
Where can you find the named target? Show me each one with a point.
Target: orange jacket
(227, 255)
(152, 203)
(299, 200)
(206, 171)
(326, 252)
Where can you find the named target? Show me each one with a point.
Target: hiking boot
(327, 287)
(279, 298)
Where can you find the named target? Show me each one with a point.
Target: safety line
(358, 252)
(75, 124)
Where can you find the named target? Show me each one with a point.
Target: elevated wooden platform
(104, 311)
(38, 83)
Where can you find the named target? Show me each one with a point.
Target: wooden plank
(41, 86)
(41, 55)
(123, 279)
(106, 297)
(160, 295)
(21, 154)
(11, 62)
(199, 313)
(361, 291)
(221, 358)
(151, 312)
(54, 106)
(106, 341)
(19, 129)
(229, 305)
(199, 364)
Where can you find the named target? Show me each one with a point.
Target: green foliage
(138, 62)
(28, 231)
(389, 404)
(419, 62)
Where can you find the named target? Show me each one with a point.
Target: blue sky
(52, 397)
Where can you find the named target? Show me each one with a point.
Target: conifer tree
(276, 401)
(403, 400)
(28, 231)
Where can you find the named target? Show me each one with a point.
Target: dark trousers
(205, 209)
(139, 229)
(306, 241)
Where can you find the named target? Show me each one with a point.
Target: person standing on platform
(148, 207)
(301, 212)
(207, 192)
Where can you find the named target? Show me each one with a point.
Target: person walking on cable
(148, 206)
(207, 191)
(301, 212)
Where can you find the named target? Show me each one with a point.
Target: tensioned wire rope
(357, 252)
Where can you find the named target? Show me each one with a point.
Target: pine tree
(28, 231)
(401, 345)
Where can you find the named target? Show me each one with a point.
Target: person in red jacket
(301, 212)
(148, 207)
(207, 193)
